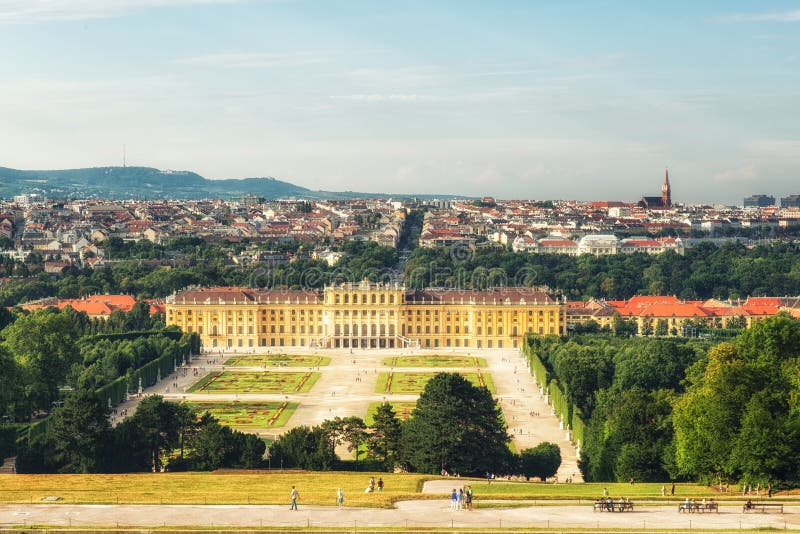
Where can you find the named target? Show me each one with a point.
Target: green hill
(149, 183)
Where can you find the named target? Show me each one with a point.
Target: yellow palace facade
(366, 315)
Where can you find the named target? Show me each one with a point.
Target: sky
(514, 99)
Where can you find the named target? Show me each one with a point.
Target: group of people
(610, 505)
(692, 505)
(461, 499)
(371, 486)
(748, 489)
(294, 494)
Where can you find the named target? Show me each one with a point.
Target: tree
(457, 427)
(662, 327)
(161, 425)
(541, 461)
(215, 446)
(624, 327)
(304, 447)
(584, 370)
(10, 384)
(81, 434)
(384, 441)
(350, 431)
(44, 345)
(739, 416)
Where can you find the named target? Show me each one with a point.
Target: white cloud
(743, 174)
(377, 97)
(34, 11)
(776, 149)
(253, 60)
(775, 16)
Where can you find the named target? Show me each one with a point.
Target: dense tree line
(47, 350)
(158, 435)
(684, 409)
(206, 265)
(706, 271)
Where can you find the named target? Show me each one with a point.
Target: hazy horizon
(510, 99)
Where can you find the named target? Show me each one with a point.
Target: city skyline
(515, 100)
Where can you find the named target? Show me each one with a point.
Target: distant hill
(149, 183)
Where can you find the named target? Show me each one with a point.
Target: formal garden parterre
(247, 415)
(278, 360)
(270, 382)
(435, 360)
(411, 383)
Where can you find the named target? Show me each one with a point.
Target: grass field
(592, 490)
(402, 410)
(435, 360)
(255, 487)
(272, 487)
(256, 382)
(413, 383)
(278, 360)
(248, 415)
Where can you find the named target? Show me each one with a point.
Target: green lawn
(588, 490)
(435, 360)
(247, 415)
(272, 487)
(278, 360)
(242, 487)
(256, 382)
(402, 410)
(402, 383)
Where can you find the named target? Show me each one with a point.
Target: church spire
(666, 193)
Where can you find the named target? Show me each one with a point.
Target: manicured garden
(402, 410)
(278, 360)
(248, 415)
(256, 382)
(402, 383)
(435, 360)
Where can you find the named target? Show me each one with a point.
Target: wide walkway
(408, 514)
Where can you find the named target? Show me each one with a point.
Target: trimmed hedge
(116, 391)
(129, 336)
(538, 368)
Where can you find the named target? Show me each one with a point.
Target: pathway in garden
(406, 515)
(530, 420)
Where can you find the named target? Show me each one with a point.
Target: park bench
(615, 506)
(697, 507)
(763, 507)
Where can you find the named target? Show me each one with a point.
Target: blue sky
(527, 99)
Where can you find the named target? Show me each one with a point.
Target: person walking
(294, 495)
(339, 498)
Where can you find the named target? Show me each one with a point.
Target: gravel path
(434, 513)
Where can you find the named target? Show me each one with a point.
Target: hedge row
(115, 392)
(558, 395)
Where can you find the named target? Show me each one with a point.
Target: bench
(763, 507)
(616, 506)
(698, 507)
